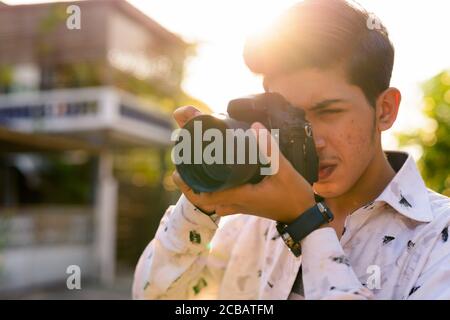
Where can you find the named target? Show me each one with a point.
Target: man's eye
(330, 111)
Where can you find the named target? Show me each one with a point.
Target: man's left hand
(282, 196)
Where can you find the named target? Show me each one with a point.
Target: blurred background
(85, 121)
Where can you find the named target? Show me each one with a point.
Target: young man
(389, 236)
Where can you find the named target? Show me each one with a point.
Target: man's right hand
(181, 116)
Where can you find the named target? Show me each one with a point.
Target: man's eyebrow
(324, 104)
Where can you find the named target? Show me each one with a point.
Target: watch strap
(307, 222)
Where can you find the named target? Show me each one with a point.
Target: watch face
(325, 211)
(293, 246)
(321, 207)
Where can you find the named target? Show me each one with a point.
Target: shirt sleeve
(173, 265)
(327, 273)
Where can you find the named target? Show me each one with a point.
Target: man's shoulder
(435, 234)
(440, 205)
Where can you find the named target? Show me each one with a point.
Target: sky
(419, 30)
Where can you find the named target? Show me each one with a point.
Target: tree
(434, 139)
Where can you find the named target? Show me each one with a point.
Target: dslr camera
(274, 112)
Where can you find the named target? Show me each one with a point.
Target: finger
(225, 197)
(184, 114)
(199, 199)
(269, 150)
(266, 141)
(180, 183)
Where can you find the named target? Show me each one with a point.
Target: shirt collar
(406, 192)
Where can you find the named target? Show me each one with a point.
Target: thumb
(184, 114)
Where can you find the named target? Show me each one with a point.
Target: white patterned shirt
(395, 247)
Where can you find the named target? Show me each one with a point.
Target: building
(115, 42)
(94, 90)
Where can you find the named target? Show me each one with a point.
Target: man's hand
(281, 197)
(182, 115)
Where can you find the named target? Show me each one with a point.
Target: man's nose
(319, 141)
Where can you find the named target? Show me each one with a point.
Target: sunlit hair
(325, 34)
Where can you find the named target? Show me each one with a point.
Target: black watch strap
(307, 222)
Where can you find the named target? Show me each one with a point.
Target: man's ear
(387, 106)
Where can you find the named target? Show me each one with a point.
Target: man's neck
(368, 187)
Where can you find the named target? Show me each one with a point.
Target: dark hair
(323, 34)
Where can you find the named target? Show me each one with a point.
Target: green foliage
(434, 139)
(80, 74)
(66, 182)
(55, 17)
(138, 167)
(6, 77)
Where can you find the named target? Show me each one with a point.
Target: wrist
(316, 217)
(299, 209)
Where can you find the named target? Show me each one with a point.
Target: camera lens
(227, 171)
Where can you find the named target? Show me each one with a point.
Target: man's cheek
(357, 144)
(358, 135)
(354, 147)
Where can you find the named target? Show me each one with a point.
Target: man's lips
(326, 169)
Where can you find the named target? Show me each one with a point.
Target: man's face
(342, 122)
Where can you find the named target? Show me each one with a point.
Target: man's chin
(326, 189)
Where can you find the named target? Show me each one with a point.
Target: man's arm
(433, 282)
(173, 266)
(327, 273)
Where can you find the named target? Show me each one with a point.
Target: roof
(121, 5)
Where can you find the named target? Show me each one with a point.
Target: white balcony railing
(100, 116)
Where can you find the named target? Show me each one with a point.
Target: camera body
(296, 142)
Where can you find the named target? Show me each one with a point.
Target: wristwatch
(307, 222)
